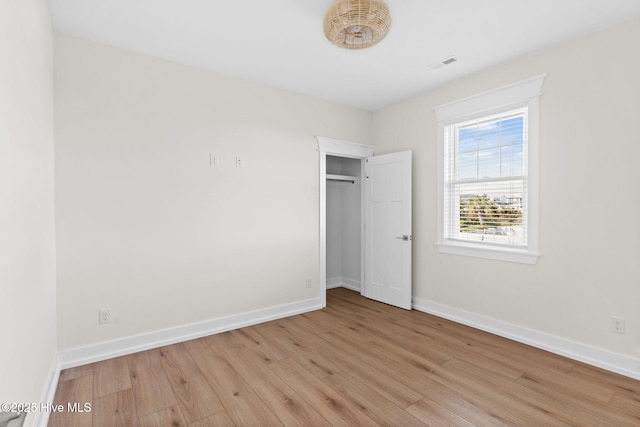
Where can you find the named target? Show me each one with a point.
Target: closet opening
(341, 258)
(344, 211)
(365, 222)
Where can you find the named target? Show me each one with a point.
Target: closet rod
(341, 178)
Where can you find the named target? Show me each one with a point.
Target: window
(488, 155)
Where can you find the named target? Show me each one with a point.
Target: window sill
(488, 252)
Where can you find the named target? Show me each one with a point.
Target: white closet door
(388, 237)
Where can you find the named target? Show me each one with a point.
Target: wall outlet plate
(104, 316)
(617, 324)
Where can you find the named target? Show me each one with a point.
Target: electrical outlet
(617, 324)
(308, 282)
(104, 316)
(238, 162)
(213, 159)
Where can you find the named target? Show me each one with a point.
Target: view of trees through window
(479, 212)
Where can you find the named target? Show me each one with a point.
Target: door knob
(404, 237)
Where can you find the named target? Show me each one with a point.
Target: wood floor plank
(523, 405)
(76, 390)
(505, 397)
(115, 410)
(221, 419)
(409, 371)
(171, 416)
(430, 413)
(345, 298)
(436, 384)
(111, 376)
(424, 332)
(476, 345)
(369, 370)
(460, 401)
(627, 403)
(242, 404)
(619, 383)
(151, 387)
(336, 409)
(251, 338)
(307, 324)
(405, 338)
(283, 401)
(421, 375)
(376, 406)
(572, 384)
(224, 341)
(348, 328)
(292, 340)
(79, 371)
(586, 411)
(353, 308)
(195, 396)
(420, 341)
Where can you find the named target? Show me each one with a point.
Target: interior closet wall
(343, 224)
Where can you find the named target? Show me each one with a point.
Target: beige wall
(589, 197)
(27, 247)
(146, 227)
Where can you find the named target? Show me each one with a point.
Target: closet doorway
(365, 221)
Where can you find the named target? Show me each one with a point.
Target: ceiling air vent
(443, 62)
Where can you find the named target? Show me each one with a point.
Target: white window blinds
(485, 181)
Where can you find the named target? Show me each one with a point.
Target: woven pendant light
(357, 24)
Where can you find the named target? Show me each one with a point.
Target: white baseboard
(354, 285)
(334, 282)
(41, 418)
(624, 365)
(343, 282)
(106, 350)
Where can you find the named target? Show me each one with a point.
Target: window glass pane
(467, 139)
(481, 142)
(489, 163)
(468, 166)
(488, 134)
(513, 130)
(512, 160)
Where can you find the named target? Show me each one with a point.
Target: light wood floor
(357, 363)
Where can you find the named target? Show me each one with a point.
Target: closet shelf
(342, 178)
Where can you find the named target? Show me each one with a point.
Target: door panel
(387, 220)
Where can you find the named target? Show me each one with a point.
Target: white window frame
(525, 93)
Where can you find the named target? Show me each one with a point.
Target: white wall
(27, 243)
(146, 227)
(589, 197)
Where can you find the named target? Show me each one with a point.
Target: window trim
(525, 93)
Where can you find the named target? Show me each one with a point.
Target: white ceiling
(281, 43)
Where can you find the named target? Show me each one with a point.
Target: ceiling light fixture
(357, 24)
